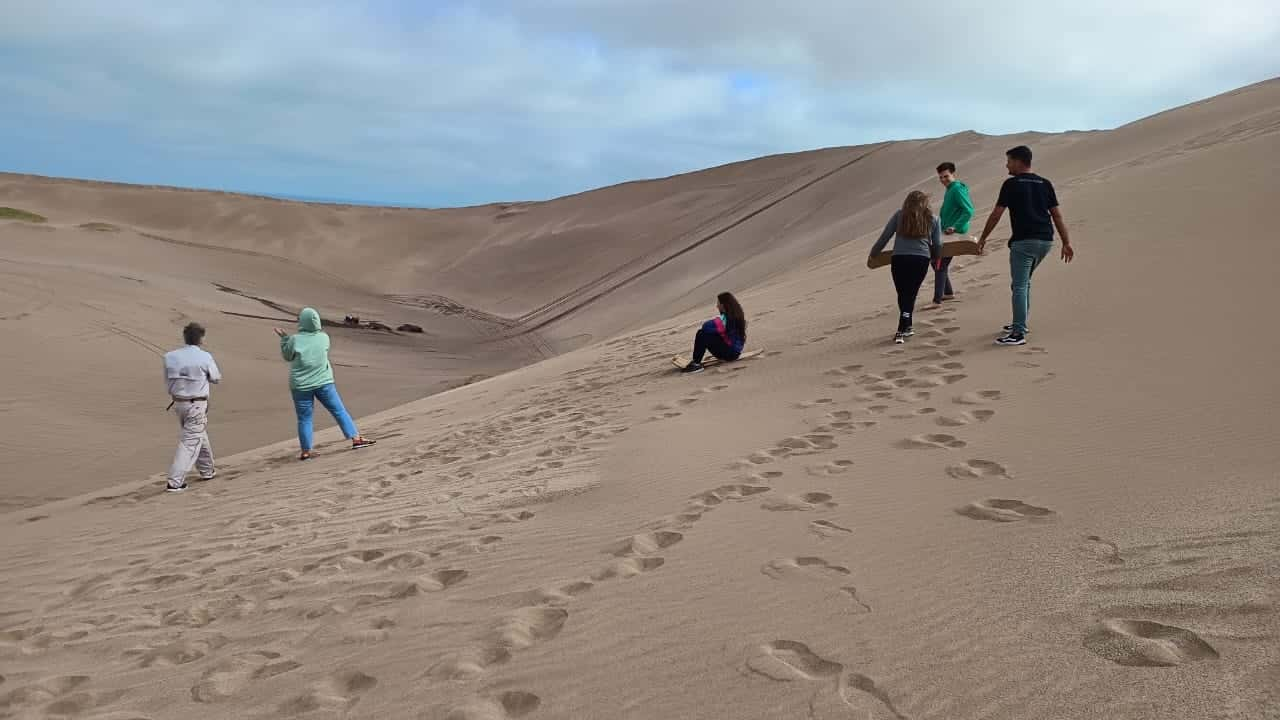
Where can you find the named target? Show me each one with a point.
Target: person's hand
(280, 332)
(1068, 252)
(982, 246)
(949, 231)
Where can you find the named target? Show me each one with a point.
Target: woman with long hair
(723, 336)
(311, 379)
(918, 242)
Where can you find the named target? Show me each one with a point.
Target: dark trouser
(1024, 257)
(909, 272)
(942, 281)
(707, 340)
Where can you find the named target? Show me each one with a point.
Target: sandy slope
(1085, 527)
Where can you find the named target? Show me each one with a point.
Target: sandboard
(950, 248)
(681, 361)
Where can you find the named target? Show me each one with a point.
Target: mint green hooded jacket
(307, 353)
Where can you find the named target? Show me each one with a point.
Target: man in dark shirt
(1033, 214)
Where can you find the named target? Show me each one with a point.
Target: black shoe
(171, 488)
(1009, 329)
(692, 367)
(1012, 339)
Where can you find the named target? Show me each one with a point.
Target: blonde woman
(918, 242)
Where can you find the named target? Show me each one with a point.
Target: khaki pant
(193, 442)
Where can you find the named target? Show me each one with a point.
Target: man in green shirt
(956, 212)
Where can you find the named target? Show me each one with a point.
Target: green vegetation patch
(8, 213)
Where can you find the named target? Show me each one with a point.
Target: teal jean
(1024, 257)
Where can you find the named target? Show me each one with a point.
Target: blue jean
(1024, 257)
(942, 281)
(304, 404)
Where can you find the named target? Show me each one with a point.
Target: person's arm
(889, 229)
(1068, 250)
(212, 372)
(997, 212)
(935, 238)
(966, 204)
(993, 219)
(286, 348)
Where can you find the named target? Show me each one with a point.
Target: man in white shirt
(188, 371)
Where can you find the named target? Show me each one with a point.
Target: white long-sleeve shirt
(188, 372)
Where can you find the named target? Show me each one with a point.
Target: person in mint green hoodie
(955, 214)
(311, 379)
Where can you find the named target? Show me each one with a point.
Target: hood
(308, 320)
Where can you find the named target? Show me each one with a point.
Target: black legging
(909, 272)
(707, 340)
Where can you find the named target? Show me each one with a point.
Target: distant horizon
(413, 205)
(450, 104)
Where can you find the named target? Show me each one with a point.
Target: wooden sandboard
(681, 361)
(950, 248)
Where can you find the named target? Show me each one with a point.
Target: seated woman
(723, 336)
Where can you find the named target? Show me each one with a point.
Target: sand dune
(1087, 526)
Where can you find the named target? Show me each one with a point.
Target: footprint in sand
(784, 567)
(979, 397)
(801, 503)
(337, 693)
(57, 694)
(792, 661)
(228, 677)
(510, 704)
(966, 418)
(842, 371)
(932, 441)
(1110, 552)
(372, 631)
(1145, 643)
(978, 470)
(644, 544)
(852, 592)
(835, 467)
(517, 630)
(810, 444)
(814, 403)
(711, 498)
(178, 652)
(630, 567)
(788, 660)
(1000, 510)
(828, 529)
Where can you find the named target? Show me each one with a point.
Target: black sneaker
(1008, 329)
(899, 338)
(1012, 339)
(171, 488)
(692, 367)
(908, 332)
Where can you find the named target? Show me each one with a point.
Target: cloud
(460, 102)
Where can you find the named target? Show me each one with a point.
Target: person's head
(309, 320)
(1018, 160)
(916, 219)
(946, 173)
(193, 333)
(735, 319)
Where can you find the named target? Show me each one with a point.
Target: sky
(438, 103)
